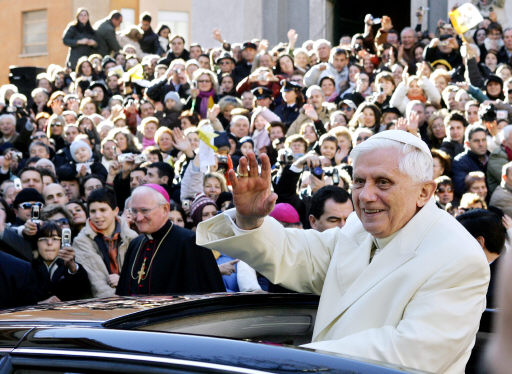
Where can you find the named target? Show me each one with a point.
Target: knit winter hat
(27, 194)
(172, 95)
(79, 144)
(197, 206)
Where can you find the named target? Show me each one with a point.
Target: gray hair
(506, 131)
(413, 162)
(8, 116)
(159, 198)
(312, 89)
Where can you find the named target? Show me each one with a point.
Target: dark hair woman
(80, 37)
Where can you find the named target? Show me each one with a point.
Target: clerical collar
(157, 235)
(382, 242)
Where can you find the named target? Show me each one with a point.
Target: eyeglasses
(204, 81)
(225, 62)
(49, 238)
(30, 205)
(144, 211)
(510, 91)
(362, 138)
(56, 125)
(41, 136)
(442, 190)
(61, 221)
(346, 109)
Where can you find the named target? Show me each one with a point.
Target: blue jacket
(463, 164)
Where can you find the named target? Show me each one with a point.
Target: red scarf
(509, 152)
(112, 247)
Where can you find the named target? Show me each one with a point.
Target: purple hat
(284, 212)
(160, 189)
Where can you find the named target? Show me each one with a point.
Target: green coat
(497, 159)
(106, 35)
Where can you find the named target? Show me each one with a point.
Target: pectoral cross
(141, 272)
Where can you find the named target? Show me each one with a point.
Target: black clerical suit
(173, 264)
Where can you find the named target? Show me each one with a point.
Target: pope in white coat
(401, 282)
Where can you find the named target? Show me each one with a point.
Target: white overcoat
(417, 304)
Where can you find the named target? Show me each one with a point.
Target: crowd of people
(107, 147)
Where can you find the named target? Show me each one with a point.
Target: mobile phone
(194, 84)
(501, 114)
(66, 237)
(35, 212)
(17, 183)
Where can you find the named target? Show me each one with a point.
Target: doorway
(348, 17)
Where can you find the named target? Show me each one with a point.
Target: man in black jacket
(149, 41)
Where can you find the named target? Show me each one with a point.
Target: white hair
(238, 117)
(413, 162)
(506, 131)
(312, 89)
(319, 42)
(45, 163)
(159, 198)
(8, 116)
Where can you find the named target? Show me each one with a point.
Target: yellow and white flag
(207, 147)
(465, 17)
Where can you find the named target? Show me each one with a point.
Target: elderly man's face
(240, 128)
(150, 216)
(385, 199)
(316, 99)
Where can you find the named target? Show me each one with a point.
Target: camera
(123, 157)
(66, 237)
(334, 174)
(287, 157)
(488, 113)
(317, 172)
(139, 159)
(222, 163)
(17, 183)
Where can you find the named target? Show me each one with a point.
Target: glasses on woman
(203, 81)
(49, 239)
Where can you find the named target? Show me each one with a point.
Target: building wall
(59, 14)
(154, 6)
(238, 20)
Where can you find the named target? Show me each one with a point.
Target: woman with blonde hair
(131, 37)
(436, 130)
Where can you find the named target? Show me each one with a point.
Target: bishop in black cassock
(166, 261)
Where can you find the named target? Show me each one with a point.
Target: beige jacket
(89, 256)
(417, 304)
